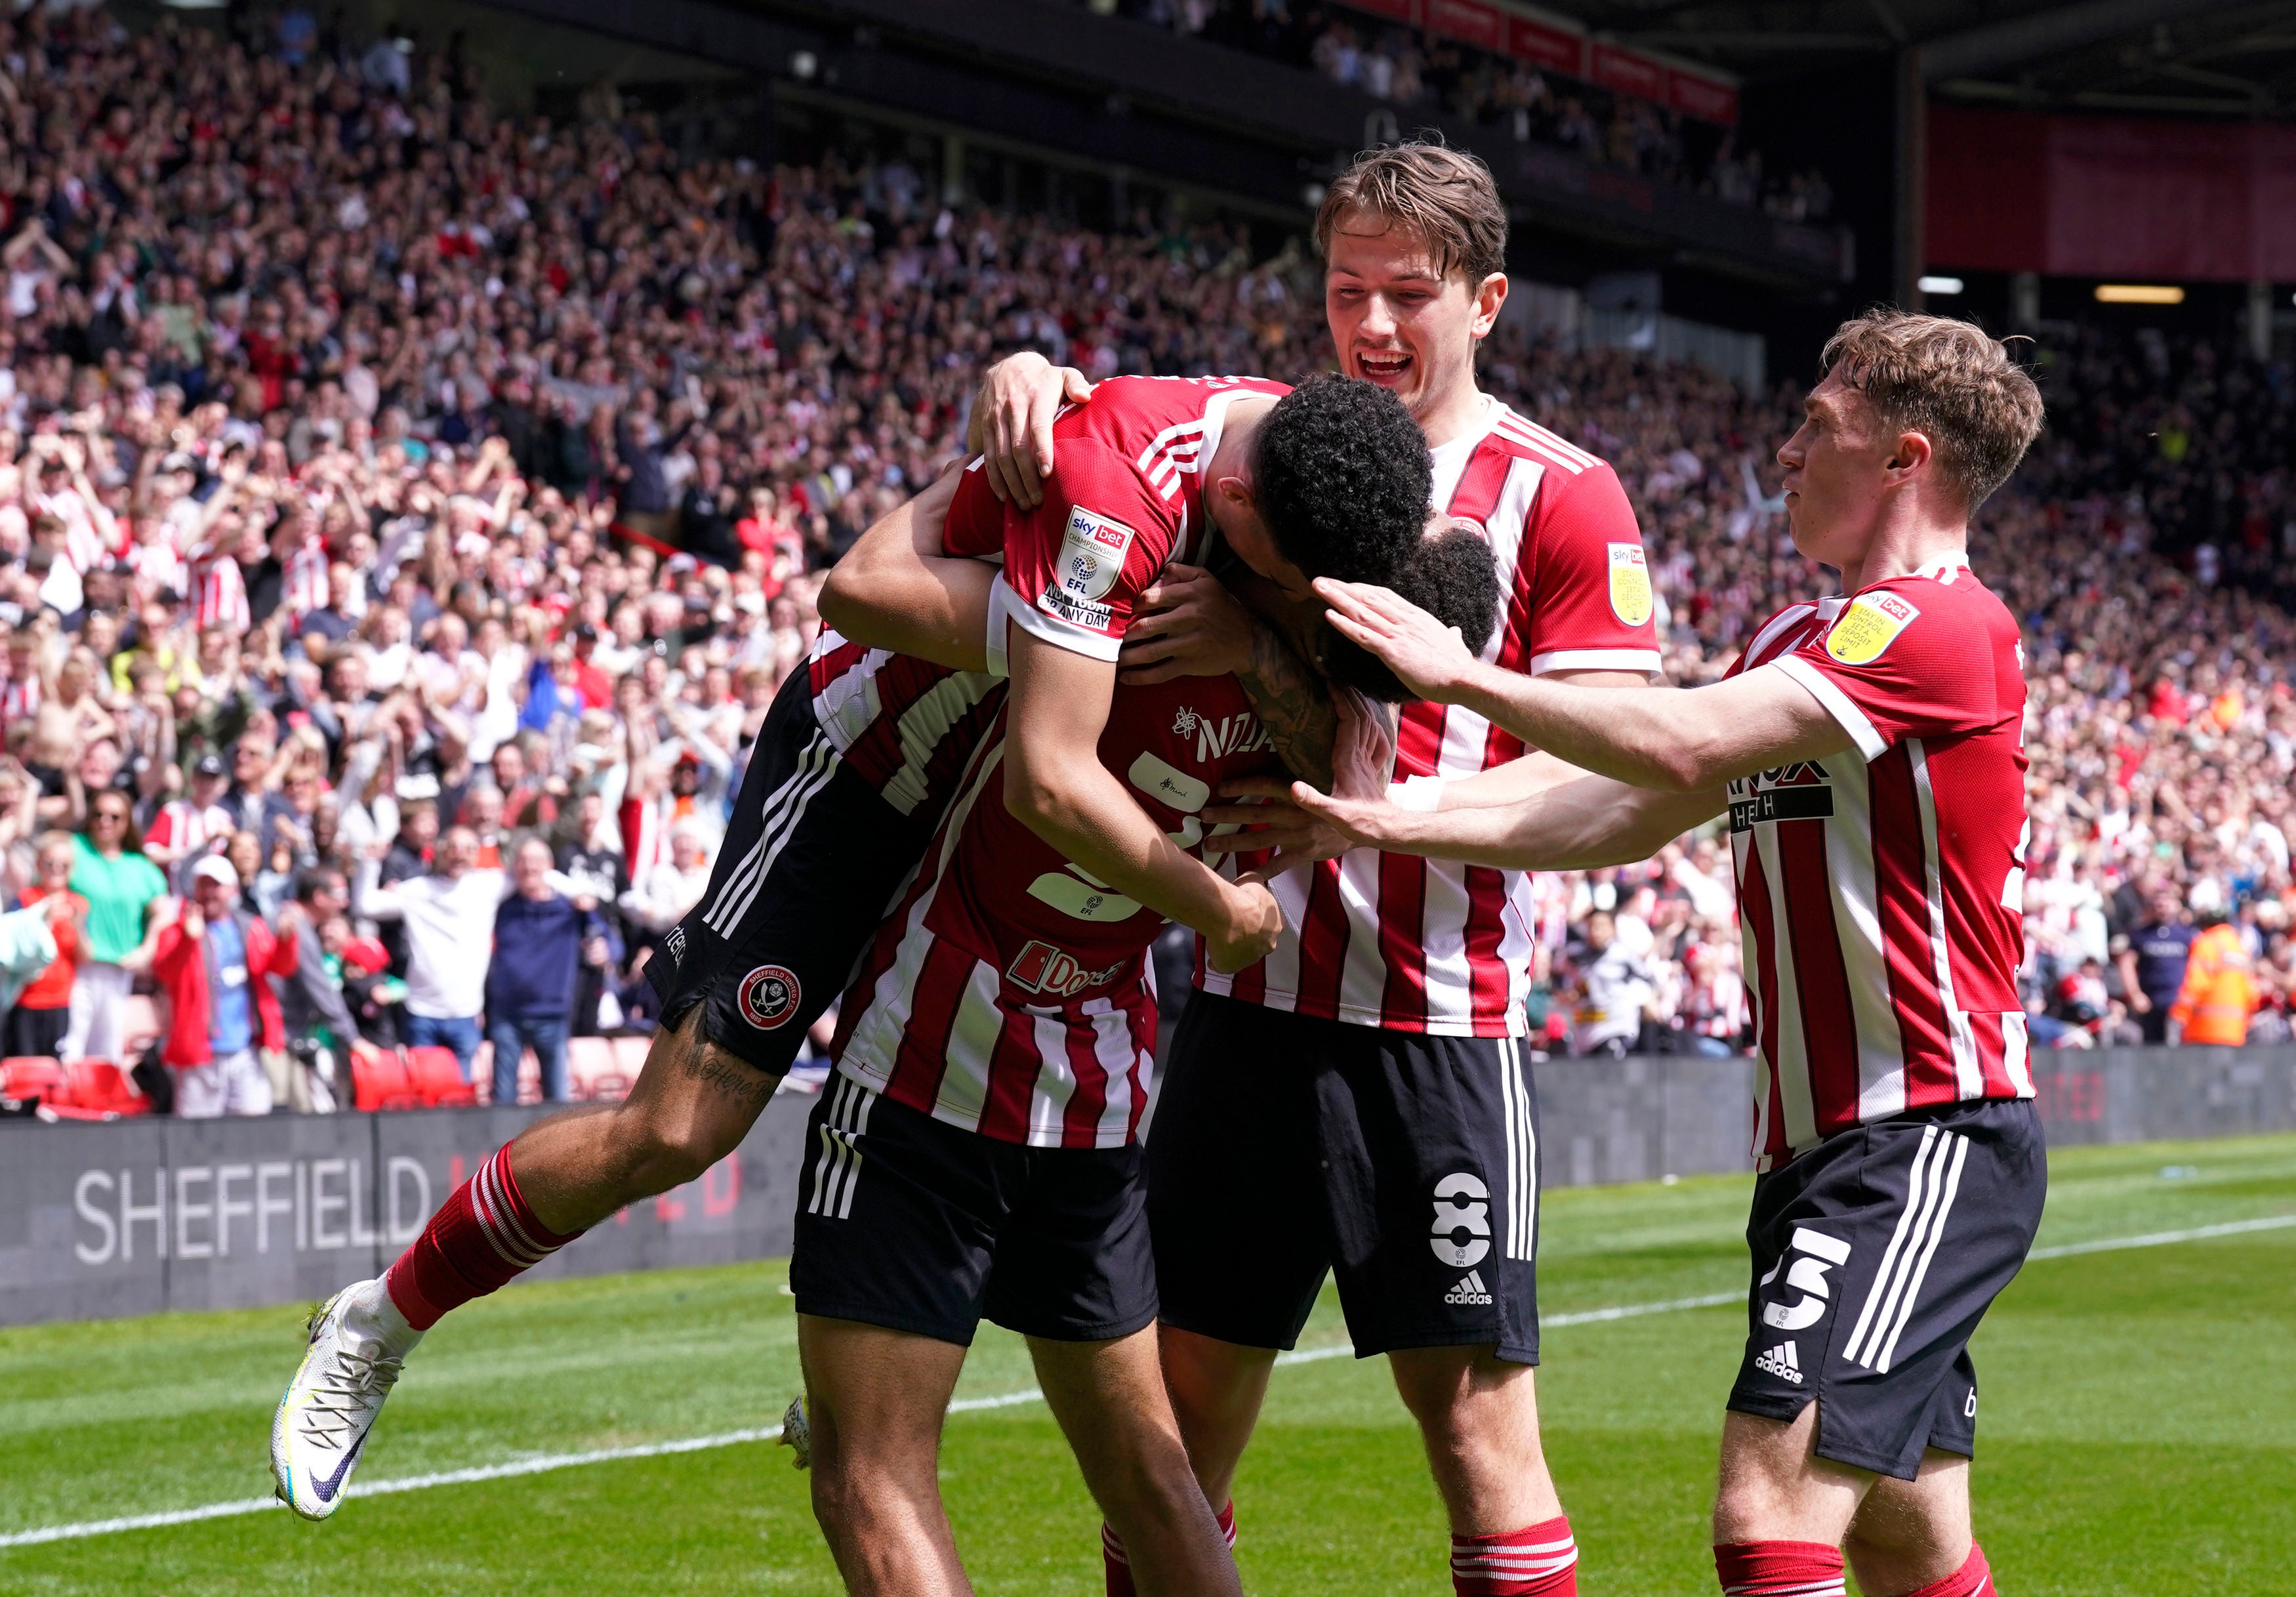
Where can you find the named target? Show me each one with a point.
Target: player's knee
(664, 1149)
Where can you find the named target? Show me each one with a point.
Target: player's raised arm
(1684, 743)
(1055, 784)
(896, 589)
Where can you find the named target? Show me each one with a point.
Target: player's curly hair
(1452, 576)
(1342, 477)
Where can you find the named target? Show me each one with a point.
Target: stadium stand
(374, 462)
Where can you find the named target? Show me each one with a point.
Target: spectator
(1615, 989)
(120, 888)
(212, 961)
(2218, 993)
(312, 1004)
(2153, 965)
(660, 897)
(542, 939)
(192, 826)
(37, 1022)
(449, 919)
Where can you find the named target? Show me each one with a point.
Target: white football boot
(359, 1342)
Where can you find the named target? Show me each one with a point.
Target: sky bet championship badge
(1869, 625)
(1092, 557)
(1630, 589)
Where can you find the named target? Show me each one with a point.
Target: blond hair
(1444, 196)
(1950, 380)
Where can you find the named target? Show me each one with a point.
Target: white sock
(370, 1315)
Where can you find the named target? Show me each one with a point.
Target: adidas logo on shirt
(1782, 1361)
(1470, 1289)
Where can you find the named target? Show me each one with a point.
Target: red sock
(482, 1236)
(1973, 1579)
(1119, 1568)
(1538, 1560)
(1779, 1569)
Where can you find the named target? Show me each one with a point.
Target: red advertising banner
(2115, 197)
(1396, 11)
(1470, 21)
(1544, 45)
(1702, 97)
(1629, 73)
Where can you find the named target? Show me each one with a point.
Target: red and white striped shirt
(1881, 894)
(1009, 993)
(905, 726)
(1428, 945)
(219, 595)
(1122, 502)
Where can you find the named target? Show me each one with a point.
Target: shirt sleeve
(1583, 587)
(1902, 661)
(1078, 563)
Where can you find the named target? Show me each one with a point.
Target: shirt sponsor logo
(1040, 967)
(1774, 804)
(768, 996)
(1869, 626)
(1630, 586)
(1237, 734)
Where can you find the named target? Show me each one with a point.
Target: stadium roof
(2183, 57)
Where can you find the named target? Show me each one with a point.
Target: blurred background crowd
(408, 514)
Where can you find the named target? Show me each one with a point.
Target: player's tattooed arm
(1293, 704)
(1192, 624)
(713, 1067)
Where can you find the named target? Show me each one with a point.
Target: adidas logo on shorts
(1782, 1361)
(1470, 1289)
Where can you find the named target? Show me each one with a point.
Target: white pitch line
(2231, 1228)
(545, 1463)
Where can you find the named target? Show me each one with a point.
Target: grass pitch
(2139, 1431)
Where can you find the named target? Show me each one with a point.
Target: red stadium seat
(36, 1077)
(100, 1085)
(434, 1076)
(382, 1085)
(588, 1060)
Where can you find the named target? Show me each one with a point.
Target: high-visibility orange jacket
(2220, 990)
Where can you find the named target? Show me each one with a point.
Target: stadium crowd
(407, 512)
(1408, 69)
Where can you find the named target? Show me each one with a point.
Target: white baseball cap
(217, 869)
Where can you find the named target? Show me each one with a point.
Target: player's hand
(2140, 1002)
(1011, 422)
(1254, 922)
(1363, 747)
(1364, 823)
(1430, 658)
(1271, 820)
(1188, 625)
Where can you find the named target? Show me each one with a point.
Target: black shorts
(812, 861)
(1285, 1145)
(910, 1223)
(1875, 1255)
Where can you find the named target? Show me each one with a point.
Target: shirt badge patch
(1092, 553)
(1868, 626)
(1631, 589)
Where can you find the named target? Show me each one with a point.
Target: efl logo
(1631, 587)
(1040, 967)
(768, 996)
